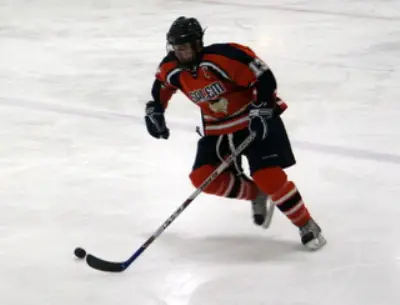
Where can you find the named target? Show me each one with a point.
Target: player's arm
(241, 65)
(167, 81)
(161, 93)
(244, 68)
(164, 86)
(253, 72)
(267, 104)
(266, 87)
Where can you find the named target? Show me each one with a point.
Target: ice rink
(77, 167)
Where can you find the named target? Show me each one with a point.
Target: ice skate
(311, 236)
(262, 209)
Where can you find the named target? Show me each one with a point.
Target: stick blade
(102, 265)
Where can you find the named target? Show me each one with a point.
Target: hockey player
(236, 93)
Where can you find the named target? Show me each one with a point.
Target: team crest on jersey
(220, 105)
(208, 93)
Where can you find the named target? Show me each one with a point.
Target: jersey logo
(210, 92)
(220, 105)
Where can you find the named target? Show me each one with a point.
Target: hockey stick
(103, 265)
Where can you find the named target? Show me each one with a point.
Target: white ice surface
(78, 169)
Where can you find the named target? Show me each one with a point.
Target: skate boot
(263, 210)
(311, 236)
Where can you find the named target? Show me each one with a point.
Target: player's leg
(261, 207)
(231, 183)
(267, 159)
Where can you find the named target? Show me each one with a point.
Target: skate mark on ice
(300, 10)
(109, 116)
(348, 152)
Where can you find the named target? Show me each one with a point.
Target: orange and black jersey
(228, 78)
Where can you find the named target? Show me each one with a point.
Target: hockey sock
(273, 181)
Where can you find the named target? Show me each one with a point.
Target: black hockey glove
(259, 116)
(155, 120)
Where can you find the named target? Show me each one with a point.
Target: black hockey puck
(80, 253)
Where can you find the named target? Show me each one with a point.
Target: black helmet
(185, 30)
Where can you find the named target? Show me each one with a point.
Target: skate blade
(270, 213)
(316, 243)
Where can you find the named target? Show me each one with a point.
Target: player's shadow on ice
(227, 248)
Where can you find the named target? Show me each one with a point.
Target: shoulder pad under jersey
(167, 69)
(235, 62)
(232, 51)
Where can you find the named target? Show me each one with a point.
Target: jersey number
(258, 67)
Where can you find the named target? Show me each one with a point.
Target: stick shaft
(117, 267)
